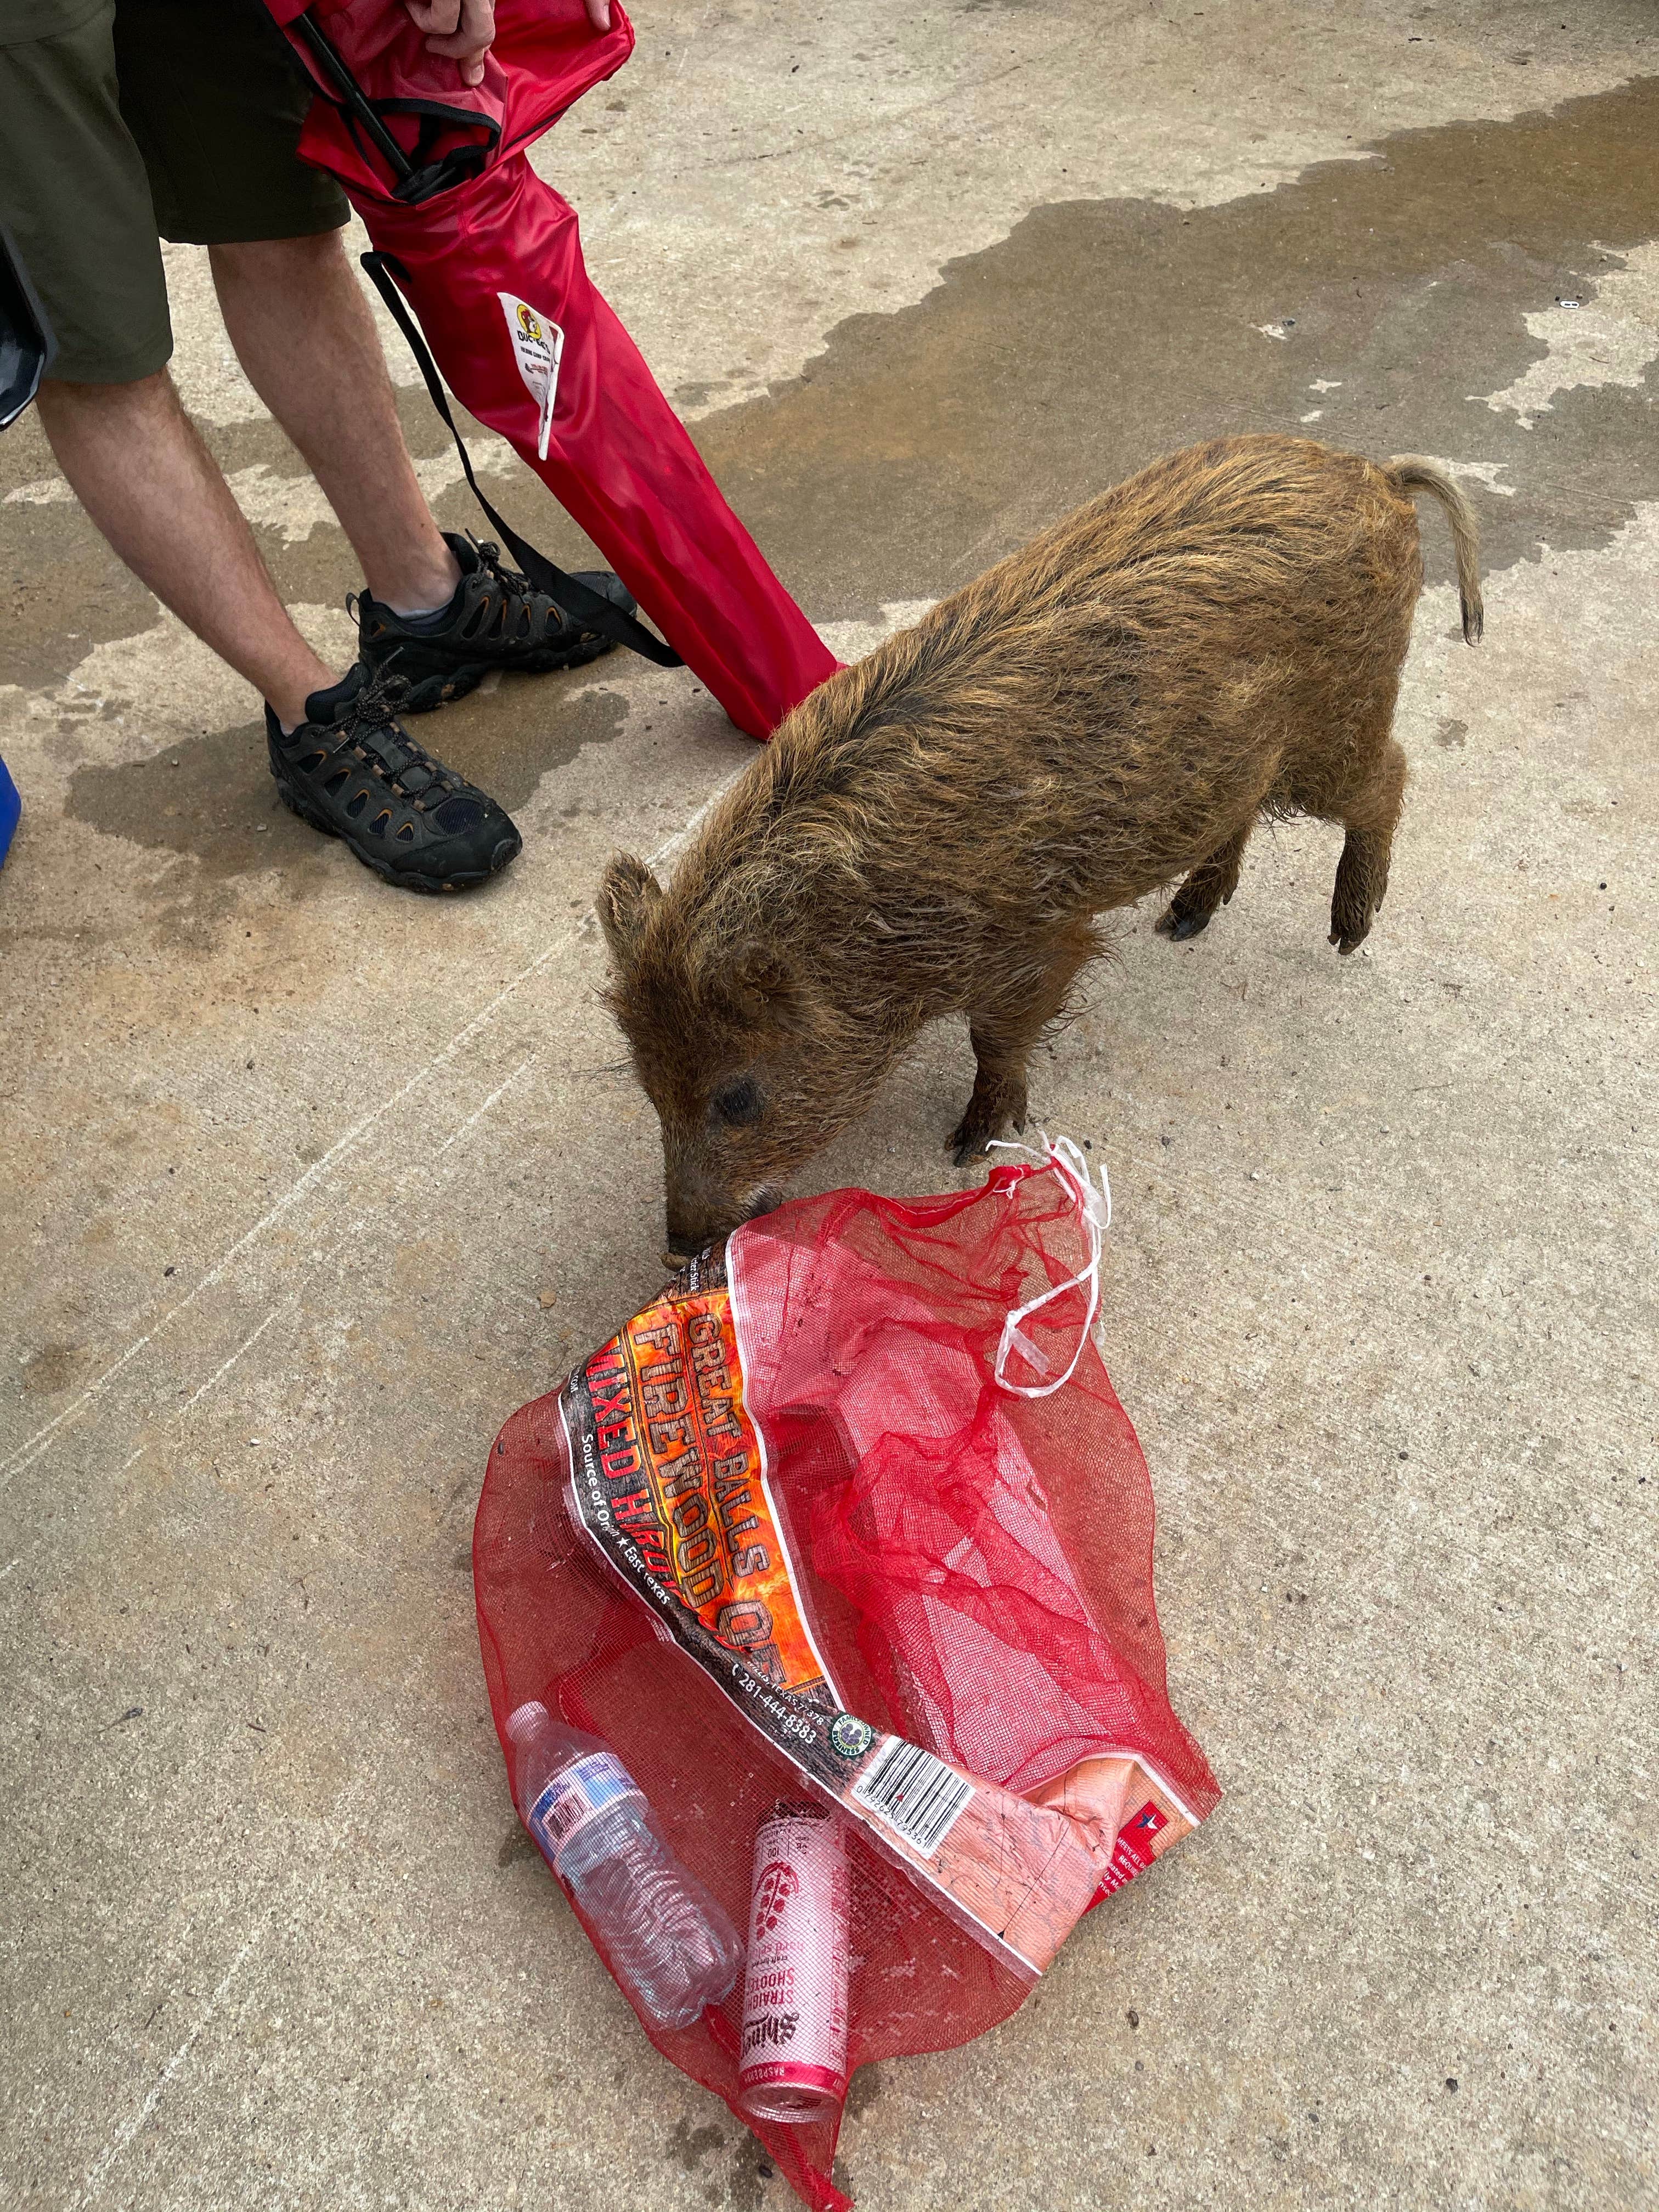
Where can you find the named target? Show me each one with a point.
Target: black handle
(352, 95)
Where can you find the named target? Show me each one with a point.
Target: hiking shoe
(351, 772)
(497, 619)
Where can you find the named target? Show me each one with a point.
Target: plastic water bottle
(668, 1942)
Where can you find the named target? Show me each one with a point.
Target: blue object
(10, 807)
(26, 344)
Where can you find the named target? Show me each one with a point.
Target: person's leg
(137, 465)
(341, 762)
(112, 415)
(109, 408)
(438, 612)
(302, 331)
(215, 102)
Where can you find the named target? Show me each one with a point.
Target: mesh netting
(825, 1549)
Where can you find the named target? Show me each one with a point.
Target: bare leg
(302, 328)
(1362, 873)
(302, 331)
(138, 465)
(1211, 884)
(1002, 1038)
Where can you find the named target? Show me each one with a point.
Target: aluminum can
(792, 2062)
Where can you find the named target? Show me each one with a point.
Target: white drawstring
(1095, 1208)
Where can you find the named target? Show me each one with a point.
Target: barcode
(918, 1796)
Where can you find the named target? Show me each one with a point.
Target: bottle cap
(524, 1719)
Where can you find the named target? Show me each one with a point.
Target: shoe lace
(369, 724)
(490, 554)
(544, 613)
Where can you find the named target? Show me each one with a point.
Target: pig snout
(701, 1213)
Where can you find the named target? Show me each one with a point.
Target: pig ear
(765, 981)
(627, 896)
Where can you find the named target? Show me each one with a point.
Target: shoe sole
(445, 686)
(403, 879)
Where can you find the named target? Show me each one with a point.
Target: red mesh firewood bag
(850, 1521)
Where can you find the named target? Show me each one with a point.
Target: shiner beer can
(793, 2064)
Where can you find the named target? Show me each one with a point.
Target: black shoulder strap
(577, 600)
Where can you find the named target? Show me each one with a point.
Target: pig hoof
(966, 1145)
(1346, 942)
(1180, 926)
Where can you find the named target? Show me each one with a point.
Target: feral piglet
(933, 831)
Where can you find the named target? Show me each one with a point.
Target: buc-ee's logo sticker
(538, 345)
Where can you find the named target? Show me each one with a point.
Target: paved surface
(307, 1185)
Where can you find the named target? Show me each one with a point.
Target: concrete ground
(307, 1184)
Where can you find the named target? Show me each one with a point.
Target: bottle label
(576, 1795)
(793, 2052)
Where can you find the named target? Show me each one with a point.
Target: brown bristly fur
(933, 831)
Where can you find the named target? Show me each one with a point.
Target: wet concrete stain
(688, 2146)
(515, 1845)
(745, 2187)
(922, 446)
(212, 796)
(50, 1370)
(321, 567)
(63, 592)
(867, 2086)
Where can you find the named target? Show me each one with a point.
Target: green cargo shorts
(125, 121)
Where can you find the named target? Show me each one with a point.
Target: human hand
(462, 29)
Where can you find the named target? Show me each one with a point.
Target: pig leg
(1211, 884)
(1369, 815)
(1002, 1036)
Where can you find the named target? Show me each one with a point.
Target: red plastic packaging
(492, 266)
(851, 1518)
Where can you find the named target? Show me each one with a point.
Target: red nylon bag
(850, 1521)
(489, 257)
